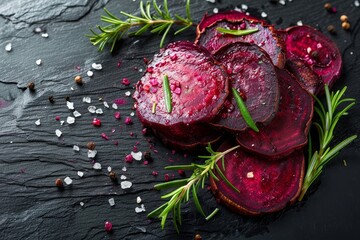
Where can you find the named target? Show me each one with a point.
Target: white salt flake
(76, 148)
(114, 106)
(70, 120)
(111, 202)
(68, 181)
(90, 73)
(299, 23)
(282, 2)
(140, 70)
(87, 99)
(250, 175)
(136, 155)
(76, 114)
(215, 10)
(8, 47)
(128, 93)
(237, 9)
(109, 169)
(264, 14)
(132, 114)
(99, 111)
(38, 62)
(82, 204)
(356, 3)
(97, 166)
(58, 133)
(96, 66)
(106, 104)
(37, 122)
(72, 89)
(244, 7)
(92, 109)
(80, 174)
(211, 1)
(123, 177)
(138, 200)
(126, 184)
(70, 105)
(92, 153)
(140, 209)
(45, 35)
(124, 169)
(62, 122)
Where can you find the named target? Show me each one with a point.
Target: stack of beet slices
(274, 71)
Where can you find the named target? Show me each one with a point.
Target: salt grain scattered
(82, 204)
(137, 155)
(356, 3)
(97, 166)
(126, 184)
(109, 169)
(58, 133)
(299, 23)
(92, 153)
(140, 209)
(37, 122)
(68, 181)
(70, 105)
(62, 122)
(45, 35)
(112, 202)
(76, 114)
(123, 177)
(114, 106)
(8, 47)
(138, 200)
(244, 7)
(72, 89)
(106, 104)
(99, 111)
(250, 175)
(211, 1)
(70, 120)
(124, 169)
(76, 148)
(215, 10)
(87, 99)
(92, 109)
(128, 93)
(132, 114)
(282, 2)
(80, 174)
(96, 66)
(38, 62)
(90, 73)
(264, 14)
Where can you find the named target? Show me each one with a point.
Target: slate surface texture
(32, 157)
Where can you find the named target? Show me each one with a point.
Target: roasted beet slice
(267, 37)
(289, 129)
(265, 186)
(316, 51)
(198, 85)
(253, 75)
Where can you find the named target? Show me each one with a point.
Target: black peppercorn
(51, 99)
(147, 156)
(31, 86)
(113, 176)
(91, 145)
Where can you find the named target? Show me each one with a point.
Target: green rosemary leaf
(171, 184)
(181, 167)
(167, 93)
(213, 175)
(211, 215)
(223, 177)
(188, 14)
(182, 29)
(164, 35)
(196, 201)
(339, 146)
(157, 211)
(237, 32)
(157, 9)
(173, 193)
(244, 111)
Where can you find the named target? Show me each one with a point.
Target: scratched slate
(32, 157)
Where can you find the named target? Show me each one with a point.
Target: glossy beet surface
(253, 75)
(289, 129)
(265, 186)
(266, 38)
(315, 50)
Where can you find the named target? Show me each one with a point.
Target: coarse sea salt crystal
(282, 2)
(8, 47)
(124, 169)
(37, 122)
(106, 104)
(299, 23)
(136, 155)
(244, 7)
(68, 181)
(96, 66)
(82, 204)
(140, 209)
(62, 122)
(76, 148)
(45, 35)
(356, 3)
(211, 1)
(126, 184)
(92, 109)
(114, 106)
(215, 10)
(92, 153)
(128, 93)
(109, 169)
(87, 99)
(70, 120)
(58, 133)
(138, 200)
(132, 114)
(70, 105)
(80, 174)
(123, 177)
(90, 73)
(38, 62)
(99, 111)
(97, 166)
(111, 202)
(264, 14)
(76, 114)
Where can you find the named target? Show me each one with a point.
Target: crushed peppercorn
(78, 80)
(91, 145)
(31, 86)
(51, 99)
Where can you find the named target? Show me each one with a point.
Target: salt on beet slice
(265, 186)
(289, 129)
(199, 87)
(266, 38)
(253, 75)
(316, 51)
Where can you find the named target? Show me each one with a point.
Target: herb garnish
(191, 185)
(167, 93)
(328, 117)
(160, 22)
(237, 32)
(244, 111)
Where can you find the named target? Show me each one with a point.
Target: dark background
(32, 157)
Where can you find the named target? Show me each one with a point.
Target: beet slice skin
(253, 75)
(265, 186)
(315, 50)
(289, 129)
(199, 87)
(267, 37)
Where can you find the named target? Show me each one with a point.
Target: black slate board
(32, 157)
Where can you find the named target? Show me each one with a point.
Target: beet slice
(253, 75)
(316, 51)
(267, 37)
(199, 87)
(289, 129)
(265, 186)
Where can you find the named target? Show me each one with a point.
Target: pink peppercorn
(117, 115)
(128, 158)
(125, 81)
(181, 172)
(167, 177)
(57, 118)
(104, 136)
(96, 122)
(144, 131)
(108, 226)
(155, 173)
(128, 121)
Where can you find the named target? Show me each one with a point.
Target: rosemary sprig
(329, 117)
(244, 111)
(158, 22)
(190, 186)
(237, 32)
(167, 94)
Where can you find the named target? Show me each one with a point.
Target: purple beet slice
(265, 186)
(266, 38)
(289, 129)
(253, 75)
(198, 86)
(316, 51)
